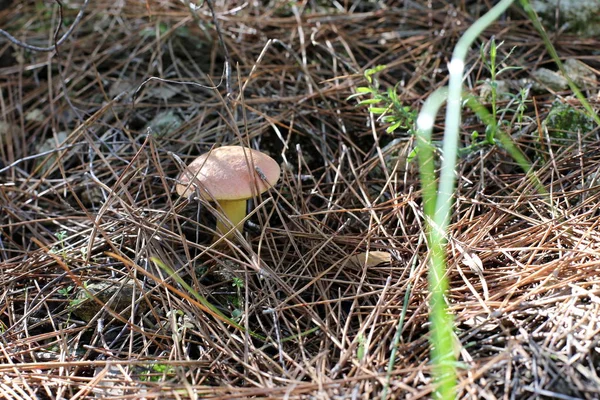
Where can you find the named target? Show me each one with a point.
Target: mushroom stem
(235, 211)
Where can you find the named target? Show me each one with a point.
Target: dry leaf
(371, 258)
(473, 261)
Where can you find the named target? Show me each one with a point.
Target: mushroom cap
(228, 173)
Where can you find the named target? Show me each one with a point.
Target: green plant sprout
(438, 203)
(386, 103)
(521, 101)
(74, 303)
(65, 291)
(489, 56)
(61, 250)
(360, 350)
(158, 373)
(236, 301)
(237, 283)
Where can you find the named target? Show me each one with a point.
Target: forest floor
(325, 294)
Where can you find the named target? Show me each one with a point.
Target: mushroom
(231, 175)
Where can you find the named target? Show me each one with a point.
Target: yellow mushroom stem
(235, 211)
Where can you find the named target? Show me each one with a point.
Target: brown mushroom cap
(228, 173)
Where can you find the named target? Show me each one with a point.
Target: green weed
(386, 103)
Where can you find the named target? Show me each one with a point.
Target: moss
(564, 122)
(580, 16)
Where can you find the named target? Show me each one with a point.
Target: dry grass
(526, 325)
